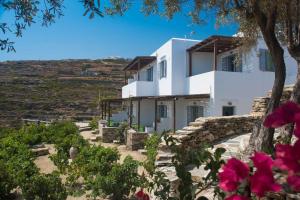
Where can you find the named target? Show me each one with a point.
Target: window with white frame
(150, 74)
(163, 68)
(162, 111)
(265, 61)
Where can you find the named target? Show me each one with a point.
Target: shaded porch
(152, 103)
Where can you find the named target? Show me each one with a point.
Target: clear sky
(74, 36)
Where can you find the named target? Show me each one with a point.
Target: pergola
(138, 63)
(216, 44)
(106, 106)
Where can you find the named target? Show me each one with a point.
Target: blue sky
(74, 36)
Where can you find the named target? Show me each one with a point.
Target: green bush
(6, 183)
(119, 182)
(151, 146)
(44, 187)
(94, 123)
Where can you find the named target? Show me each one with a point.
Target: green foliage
(119, 182)
(141, 129)
(94, 123)
(44, 187)
(121, 131)
(182, 160)
(151, 146)
(6, 183)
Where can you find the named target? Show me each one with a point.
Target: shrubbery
(44, 187)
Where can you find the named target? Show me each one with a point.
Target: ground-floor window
(162, 111)
(228, 110)
(193, 112)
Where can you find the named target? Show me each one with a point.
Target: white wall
(179, 64)
(240, 89)
(202, 62)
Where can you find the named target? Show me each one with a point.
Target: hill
(62, 89)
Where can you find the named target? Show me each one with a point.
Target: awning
(139, 62)
(221, 43)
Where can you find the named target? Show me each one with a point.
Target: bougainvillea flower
(262, 161)
(237, 197)
(294, 182)
(141, 195)
(262, 182)
(297, 125)
(288, 157)
(234, 172)
(283, 115)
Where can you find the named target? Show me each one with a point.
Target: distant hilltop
(57, 89)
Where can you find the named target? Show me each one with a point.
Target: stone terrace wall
(108, 134)
(211, 129)
(260, 104)
(135, 140)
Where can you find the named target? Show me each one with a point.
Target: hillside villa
(185, 79)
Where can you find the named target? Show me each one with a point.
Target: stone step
(164, 156)
(185, 132)
(162, 163)
(40, 151)
(85, 128)
(196, 123)
(191, 128)
(142, 151)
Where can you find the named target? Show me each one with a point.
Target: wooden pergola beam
(139, 114)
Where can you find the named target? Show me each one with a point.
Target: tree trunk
(262, 138)
(287, 132)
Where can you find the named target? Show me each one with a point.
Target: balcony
(201, 83)
(138, 89)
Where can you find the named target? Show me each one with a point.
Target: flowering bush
(241, 182)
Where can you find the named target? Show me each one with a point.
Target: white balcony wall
(201, 83)
(138, 88)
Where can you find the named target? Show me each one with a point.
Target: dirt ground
(47, 166)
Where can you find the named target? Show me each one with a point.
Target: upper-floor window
(162, 111)
(265, 61)
(231, 63)
(150, 74)
(163, 68)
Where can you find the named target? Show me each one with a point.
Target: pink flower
(263, 181)
(283, 115)
(234, 172)
(294, 182)
(262, 161)
(141, 195)
(288, 157)
(297, 127)
(237, 197)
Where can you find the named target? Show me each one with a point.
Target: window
(194, 112)
(162, 111)
(150, 74)
(228, 110)
(265, 61)
(163, 68)
(231, 64)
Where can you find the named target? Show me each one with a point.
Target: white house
(185, 79)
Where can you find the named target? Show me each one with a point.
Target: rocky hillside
(57, 89)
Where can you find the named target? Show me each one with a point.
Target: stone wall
(107, 134)
(260, 104)
(135, 140)
(212, 129)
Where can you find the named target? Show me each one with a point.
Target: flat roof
(139, 62)
(222, 43)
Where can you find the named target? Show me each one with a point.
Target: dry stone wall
(212, 129)
(135, 140)
(260, 104)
